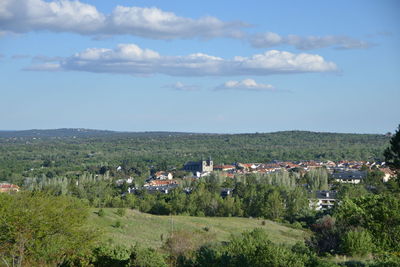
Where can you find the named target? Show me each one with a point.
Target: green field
(147, 229)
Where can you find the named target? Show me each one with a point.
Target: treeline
(275, 196)
(279, 196)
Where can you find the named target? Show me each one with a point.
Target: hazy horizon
(188, 132)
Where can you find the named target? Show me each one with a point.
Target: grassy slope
(146, 229)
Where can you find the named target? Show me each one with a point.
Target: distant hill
(81, 148)
(82, 132)
(78, 133)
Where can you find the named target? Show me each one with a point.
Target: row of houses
(342, 171)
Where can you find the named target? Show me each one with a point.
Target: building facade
(199, 166)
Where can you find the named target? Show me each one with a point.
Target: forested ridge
(68, 152)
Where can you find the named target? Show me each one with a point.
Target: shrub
(147, 257)
(101, 213)
(118, 224)
(357, 242)
(41, 230)
(121, 212)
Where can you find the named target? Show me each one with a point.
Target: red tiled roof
(387, 171)
(162, 182)
(9, 186)
(224, 167)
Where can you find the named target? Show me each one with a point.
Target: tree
(40, 230)
(378, 214)
(357, 242)
(255, 249)
(297, 204)
(274, 207)
(317, 179)
(392, 153)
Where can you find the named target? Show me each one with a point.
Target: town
(341, 172)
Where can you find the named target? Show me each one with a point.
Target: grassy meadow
(151, 230)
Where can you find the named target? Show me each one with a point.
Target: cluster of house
(341, 172)
(8, 188)
(301, 166)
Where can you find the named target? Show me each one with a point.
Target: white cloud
(271, 39)
(245, 85)
(131, 59)
(48, 66)
(179, 86)
(74, 16)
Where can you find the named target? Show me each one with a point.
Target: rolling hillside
(147, 229)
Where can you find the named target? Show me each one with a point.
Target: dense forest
(67, 152)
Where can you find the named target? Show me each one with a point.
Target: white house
(323, 200)
(162, 175)
(388, 174)
(349, 177)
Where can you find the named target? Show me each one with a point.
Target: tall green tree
(317, 179)
(274, 208)
(392, 153)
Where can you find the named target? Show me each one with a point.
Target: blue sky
(200, 66)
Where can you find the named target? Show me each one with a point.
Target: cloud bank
(131, 59)
(73, 16)
(245, 85)
(271, 39)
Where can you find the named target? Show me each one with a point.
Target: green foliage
(317, 179)
(118, 224)
(351, 191)
(147, 257)
(121, 212)
(392, 153)
(274, 208)
(36, 229)
(378, 214)
(386, 260)
(297, 204)
(108, 255)
(101, 213)
(111, 256)
(248, 249)
(357, 242)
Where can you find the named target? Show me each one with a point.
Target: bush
(112, 256)
(101, 213)
(121, 212)
(326, 238)
(357, 242)
(107, 255)
(41, 230)
(147, 257)
(386, 260)
(255, 249)
(118, 224)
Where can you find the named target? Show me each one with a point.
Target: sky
(200, 66)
